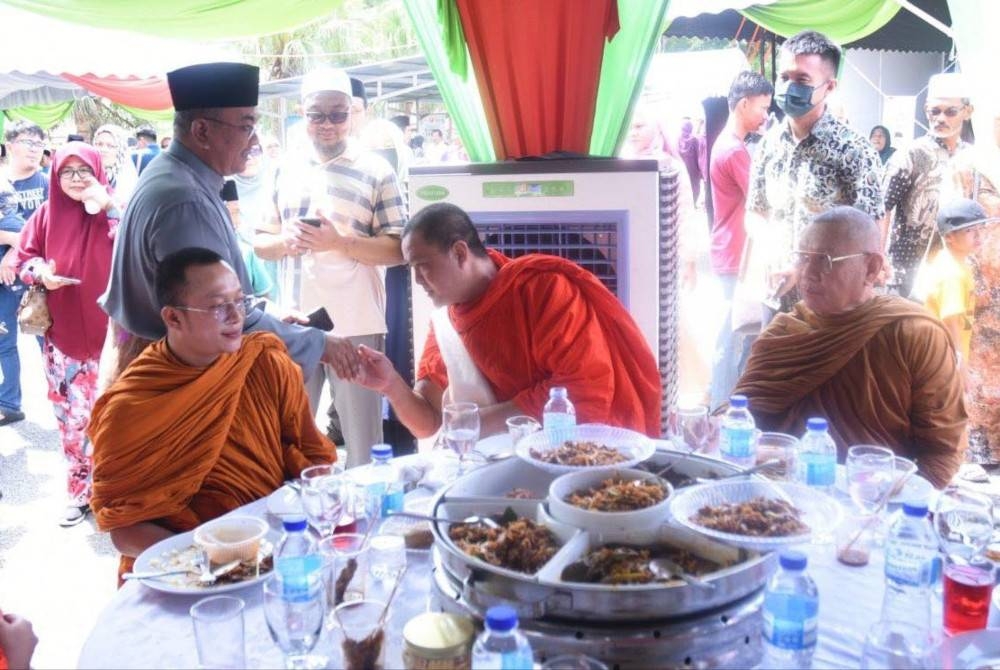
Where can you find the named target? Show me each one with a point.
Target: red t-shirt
(730, 175)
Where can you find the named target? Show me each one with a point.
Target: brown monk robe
(180, 445)
(883, 373)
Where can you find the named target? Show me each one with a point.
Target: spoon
(742, 473)
(475, 519)
(665, 568)
(155, 574)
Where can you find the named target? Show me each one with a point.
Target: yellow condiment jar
(438, 641)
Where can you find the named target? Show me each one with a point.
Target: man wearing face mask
(936, 168)
(807, 164)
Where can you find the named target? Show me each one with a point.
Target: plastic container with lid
(438, 641)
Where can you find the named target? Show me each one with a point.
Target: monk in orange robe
(203, 421)
(881, 369)
(511, 330)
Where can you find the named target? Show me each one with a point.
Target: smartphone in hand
(320, 319)
(67, 280)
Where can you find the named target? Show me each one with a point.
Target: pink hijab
(80, 244)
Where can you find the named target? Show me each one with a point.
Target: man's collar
(352, 149)
(823, 126)
(940, 142)
(201, 169)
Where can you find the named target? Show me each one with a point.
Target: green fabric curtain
(623, 71)
(454, 37)
(45, 116)
(150, 114)
(460, 95)
(843, 21)
(188, 19)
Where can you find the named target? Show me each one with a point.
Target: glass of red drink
(967, 590)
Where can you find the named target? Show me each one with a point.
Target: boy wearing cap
(936, 168)
(950, 286)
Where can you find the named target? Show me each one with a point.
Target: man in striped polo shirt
(340, 215)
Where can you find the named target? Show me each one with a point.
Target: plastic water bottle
(911, 550)
(501, 646)
(737, 441)
(817, 461)
(384, 484)
(558, 415)
(296, 556)
(791, 612)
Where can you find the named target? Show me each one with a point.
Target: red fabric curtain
(151, 93)
(538, 63)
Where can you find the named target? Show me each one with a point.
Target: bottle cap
(294, 524)
(793, 560)
(816, 423)
(915, 509)
(501, 618)
(738, 401)
(381, 451)
(557, 392)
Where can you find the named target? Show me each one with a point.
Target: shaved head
(851, 225)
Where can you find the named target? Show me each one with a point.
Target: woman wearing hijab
(110, 140)
(66, 247)
(881, 139)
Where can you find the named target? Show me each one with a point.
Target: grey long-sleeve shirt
(176, 204)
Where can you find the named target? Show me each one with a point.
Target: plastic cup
(219, 632)
(358, 636)
(519, 427)
(386, 556)
(345, 564)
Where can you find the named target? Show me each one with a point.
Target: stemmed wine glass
(460, 428)
(294, 610)
(964, 522)
(870, 476)
(325, 496)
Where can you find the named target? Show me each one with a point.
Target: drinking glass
(386, 557)
(780, 447)
(967, 590)
(899, 645)
(693, 426)
(460, 428)
(294, 610)
(519, 427)
(219, 632)
(870, 476)
(964, 522)
(360, 634)
(345, 566)
(324, 496)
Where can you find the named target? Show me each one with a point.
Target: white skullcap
(326, 79)
(947, 85)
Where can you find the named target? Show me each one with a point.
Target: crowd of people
(181, 395)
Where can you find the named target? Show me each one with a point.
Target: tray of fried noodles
(585, 447)
(757, 515)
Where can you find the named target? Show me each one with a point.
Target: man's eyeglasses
(223, 312)
(31, 144)
(249, 128)
(800, 259)
(316, 118)
(950, 112)
(73, 173)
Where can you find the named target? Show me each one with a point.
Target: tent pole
(906, 4)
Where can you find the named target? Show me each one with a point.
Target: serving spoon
(665, 568)
(474, 519)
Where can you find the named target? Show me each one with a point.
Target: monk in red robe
(881, 369)
(507, 331)
(203, 421)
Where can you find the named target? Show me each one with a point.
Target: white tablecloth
(143, 628)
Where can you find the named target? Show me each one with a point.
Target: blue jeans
(10, 361)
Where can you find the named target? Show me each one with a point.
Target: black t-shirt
(31, 193)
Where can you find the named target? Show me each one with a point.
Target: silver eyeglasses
(800, 259)
(223, 312)
(249, 128)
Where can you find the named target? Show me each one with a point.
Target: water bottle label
(821, 471)
(736, 442)
(908, 565)
(517, 660)
(790, 634)
(392, 501)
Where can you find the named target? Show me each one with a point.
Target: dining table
(145, 628)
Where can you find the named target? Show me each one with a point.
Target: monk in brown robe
(510, 330)
(204, 420)
(881, 369)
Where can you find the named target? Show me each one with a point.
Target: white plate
(818, 511)
(180, 543)
(972, 650)
(636, 447)
(495, 444)
(284, 501)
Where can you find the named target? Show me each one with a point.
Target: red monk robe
(545, 321)
(178, 445)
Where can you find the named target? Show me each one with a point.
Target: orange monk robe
(884, 373)
(546, 322)
(178, 445)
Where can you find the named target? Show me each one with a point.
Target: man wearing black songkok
(177, 204)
